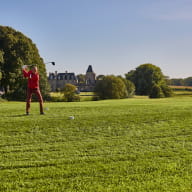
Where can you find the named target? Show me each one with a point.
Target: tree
(1, 63)
(167, 91)
(100, 77)
(147, 79)
(177, 82)
(17, 50)
(130, 75)
(156, 92)
(81, 78)
(181, 82)
(188, 81)
(111, 87)
(129, 85)
(70, 93)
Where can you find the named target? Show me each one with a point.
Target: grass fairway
(131, 145)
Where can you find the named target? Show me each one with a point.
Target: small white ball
(71, 117)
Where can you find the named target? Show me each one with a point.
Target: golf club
(52, 62)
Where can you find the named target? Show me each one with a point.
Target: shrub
(160, 91)
(130, 87)
(70, 93)
(111, 87)
(168, 92)
(156, 92)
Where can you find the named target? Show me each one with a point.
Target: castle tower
(90, 76)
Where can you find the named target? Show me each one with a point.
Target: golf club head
(52, 63)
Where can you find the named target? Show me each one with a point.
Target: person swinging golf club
(32, 87)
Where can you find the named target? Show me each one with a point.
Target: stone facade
(57, 81)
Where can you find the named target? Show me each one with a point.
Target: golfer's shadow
(22, 115)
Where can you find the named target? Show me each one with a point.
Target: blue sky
(114, 36)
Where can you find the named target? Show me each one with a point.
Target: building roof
(62, 76)
(90, 69)
(65, 75)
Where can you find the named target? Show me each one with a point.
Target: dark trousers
(29, 96)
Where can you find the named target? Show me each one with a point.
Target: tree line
(146, 79)
(17, 50)
(180, 81)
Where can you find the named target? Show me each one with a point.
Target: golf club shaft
(52, 62)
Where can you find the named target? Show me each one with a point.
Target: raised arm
(25, 73)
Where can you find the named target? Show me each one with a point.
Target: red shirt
(33, 79)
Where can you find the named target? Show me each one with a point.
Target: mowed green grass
(134, 145)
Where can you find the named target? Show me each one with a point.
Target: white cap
(24, 66)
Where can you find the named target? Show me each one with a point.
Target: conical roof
(90, 69)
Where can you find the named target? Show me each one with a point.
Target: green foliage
(18, 50)
(81, 78)
(70, 93)
(129, 145)
(111, 87)
(160, 91)
(100, 77)
(145, 76)
(156, 92)
(58, 89)
(1, 63)
(130, 76)
(167, 91)
(178, 82)
(149, 80)
(181, 82)
(129, 86)
(188, 81)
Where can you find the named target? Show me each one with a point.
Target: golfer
(32, 87)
